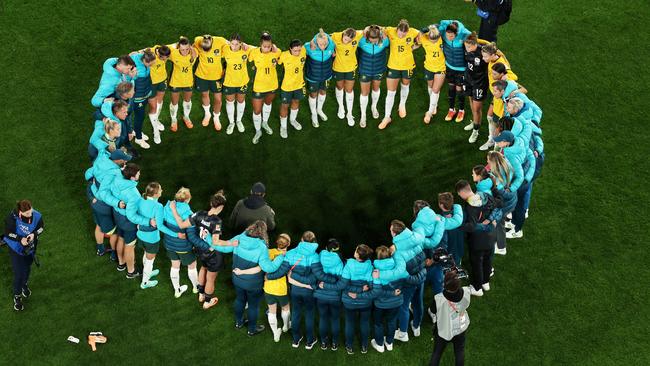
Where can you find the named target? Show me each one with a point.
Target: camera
(442, 257)
(29, 248)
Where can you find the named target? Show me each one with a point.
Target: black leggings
(451, 94)
(439, 345)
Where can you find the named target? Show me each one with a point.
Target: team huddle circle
(384, 286)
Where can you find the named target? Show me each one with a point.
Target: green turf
(570, 292)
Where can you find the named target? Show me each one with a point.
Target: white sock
(147, 267)
(230, 111)
(206, 111)
(175, 276)
(153, 117)
(257, 122)
(266, 112)
(492, 128)
(321, 102)
(158, 109)
(215, 116)
(363, 101)
(187, 107)
(390, 100)
(293, 114)
(240, 110)
(312, 105)
(375, 94)
(339, 97)
(403, 95)
(194, 276)
(349, 101)
(173, 111)
(285, 317)
(433, 101)
(273, 321)
(283, 123)
(430, 91)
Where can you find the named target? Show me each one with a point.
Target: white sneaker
(474, 292)
(377, 347)
(257, 137)
(469, 127)
(375, 113)
(283, 133)
(509, 216)
(144, 137)
(432, 315)
(142, 143)
(486, 287)
(180, 291)
(488, 144)
(296, 125)
(314, 120)
(160, 126)
(350, 120)
(267, 128)
(230, 129)
(389, 346)
(276, 335)
(362, 122)
(195, 290)
(509, 225)
(526, 215)
(322, 116)
(403, 337)
(156, 137)
(416, 331)
(473, 137)
(492, 272)
(500, 251)
(240, 127)
(515, 234)
(341, 113)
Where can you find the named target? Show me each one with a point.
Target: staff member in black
(23, 226)
(493, 13)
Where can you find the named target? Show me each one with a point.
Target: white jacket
(452, 317)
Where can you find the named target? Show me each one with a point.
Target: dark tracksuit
(250, 209)
(490, 24)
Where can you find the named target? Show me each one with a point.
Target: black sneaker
(364, 350)
(310, 345)
(100, 249)
(18, 303)
(27, 292)
(121, 267)
(349, 350)
(335, 347)
(258, 329)
(132, 275)
(323, 346)
(242, 324)
(296, 344)
(113, 256)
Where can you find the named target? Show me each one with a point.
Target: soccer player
(104, 137)
(344, 67)
(372, 65)
(179, 250)
(119, 111)
(149, 235)
(328, 269)
(183, 56)
(476, 79)
(403, 40)
(265, 59)
(115, 70)
(434, 67)
(320, 53)
(432, 227)
(502, 173)
(143, 62)
(158, 74)
(453, 34)
(481, 177)
(292, 90)
(235, 83)
(208, 77)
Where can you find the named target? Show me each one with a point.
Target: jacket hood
(306, 248)
(331, 262)
(360, 270)
(512, 86)
(484, 185)
(248, 243)
(426, 215)
(384, 264)
(404, 241)
(253, 202)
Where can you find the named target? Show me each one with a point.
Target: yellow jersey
(401, 49)
(209, 64)
(277, 287)
(434, 58)
(497, 103)
(182, 73)
(158, 70)
(236, 67)
(346, 54)
(266, 75)
(293, 70)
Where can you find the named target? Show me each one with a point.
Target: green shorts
(288, 96)
(179, 89)
(159, 87)
(368, 78)
(186, 258)
(230, 90)
(344, 75)
(399, 74)
(429, 75)
(262, 95)
(150, 248)
(275, 299)
(202, 85)
(315, 86)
